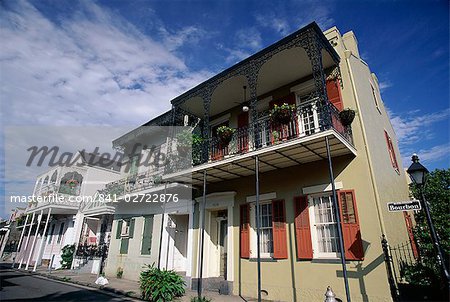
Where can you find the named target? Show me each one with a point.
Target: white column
(21, 238)
(316, 117)
(230, 250)
(28, 239)
(34, 239)
(4, 240)
(43, 241)
(190, 242)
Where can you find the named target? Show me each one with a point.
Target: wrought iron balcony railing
(133, 183)
(307, 119)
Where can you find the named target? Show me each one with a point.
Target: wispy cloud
(274, 22)
(414, 129)
(91, 67)
(188, 34)
(249, 38)
(414, 126)
(88, 69)
(384, 85)
(435, 153)
(307, 12)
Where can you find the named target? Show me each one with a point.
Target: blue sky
(118, 63)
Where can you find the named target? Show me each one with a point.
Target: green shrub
(160, 285)
(67, 255)
(119, 273)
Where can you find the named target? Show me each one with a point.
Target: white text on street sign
(411, 205)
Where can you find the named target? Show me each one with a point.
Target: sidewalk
(121, 286)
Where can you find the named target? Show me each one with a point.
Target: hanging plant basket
(225, 134)
(347, 116)
(282, 115)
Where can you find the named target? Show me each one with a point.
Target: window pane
(325, 224)
(265, 233)
(348, 211)
(147, 236)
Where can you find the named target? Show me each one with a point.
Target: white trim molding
(262, 197)
(322, 188)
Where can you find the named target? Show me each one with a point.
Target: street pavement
(21, 286)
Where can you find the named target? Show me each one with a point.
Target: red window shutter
(334, 93)
(245, 231)
(279, 230)
(302, 229)
(409, 227)
(391, 150)
(350, 225)
(243, 132)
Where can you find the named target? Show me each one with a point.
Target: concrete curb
(106, 289)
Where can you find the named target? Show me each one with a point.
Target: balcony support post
(202, 239)
(258, 225)
(252, 79)
(20, 240)
(41, 245)
(206, 95)
(34, 239)
(338, 220)
(28, 239)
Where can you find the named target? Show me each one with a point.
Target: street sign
(411, 205)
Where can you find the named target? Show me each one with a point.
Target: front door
(223, 231)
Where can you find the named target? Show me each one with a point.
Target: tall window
(125, 232)
(147, 235)
(61, 231)
(134, 161)
(391, 151)
(50, 235)
(324, 226)
(375, 99)
(265, 230)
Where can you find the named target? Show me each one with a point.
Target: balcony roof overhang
(250, 60)
(295, 152)
(56, 209)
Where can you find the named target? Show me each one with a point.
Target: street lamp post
(418, 174)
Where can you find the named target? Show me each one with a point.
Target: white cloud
(276, 23)
(86, 70)
(415, 126)
(413, 129)
(307, 12)
(189, 34)
(385, 85)
(249, 38)
(435, 153)
(90, 68)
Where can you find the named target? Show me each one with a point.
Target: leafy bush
(437, 193)
(67, 255)
(160, 285)
(188, 139)
(119, 273)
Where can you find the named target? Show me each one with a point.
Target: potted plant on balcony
(282, 115)
(225, 134)
(347, 116)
